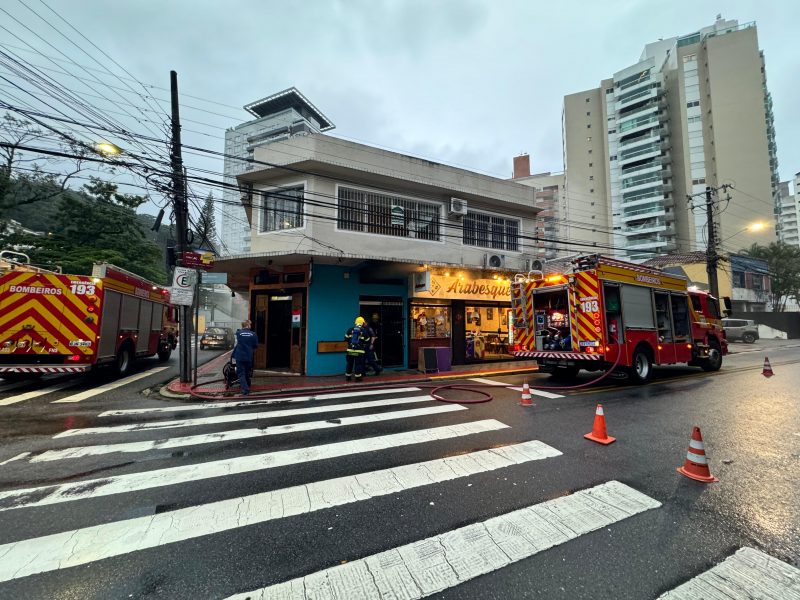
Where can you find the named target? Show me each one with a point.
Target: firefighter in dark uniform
(371, 360)
(246, 344)
(357, 338)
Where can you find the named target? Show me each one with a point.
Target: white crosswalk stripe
(36, 393)
(241, 434)
(131, 482)
(80, 396)
(249, 403)
(157, 512)
(487, 381)
(440, 562)
(235, 418)
(542, 393)
(747, 575)
(72, 548)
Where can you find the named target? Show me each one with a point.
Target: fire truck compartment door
(637, 307)
(109, 325)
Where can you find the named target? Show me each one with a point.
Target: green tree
(96, 225)
(205, 227)
(23, 178)
(784, 267)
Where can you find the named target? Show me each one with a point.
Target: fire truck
(606, 312)
(56, 323)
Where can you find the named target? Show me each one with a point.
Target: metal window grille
(492, 232)
(282, 209)
(384, 214)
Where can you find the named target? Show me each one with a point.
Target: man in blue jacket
(246, 344)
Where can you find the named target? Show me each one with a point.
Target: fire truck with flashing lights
(609, 311)
(56, 323)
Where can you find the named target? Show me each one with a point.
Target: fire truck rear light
(74, 358)
(590, 349)
(688, 345)
(608, 348)
(660, 347)
(22, 344)
(90, 309)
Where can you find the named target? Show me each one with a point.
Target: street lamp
(107, 148)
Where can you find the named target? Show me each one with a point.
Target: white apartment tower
(788, 212)
(277, 118)
(694, 111)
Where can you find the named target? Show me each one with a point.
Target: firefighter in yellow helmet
(357, 338)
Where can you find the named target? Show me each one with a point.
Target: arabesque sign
(456, 288)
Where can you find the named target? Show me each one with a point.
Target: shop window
(487, 332)
(430, 322)
(386, 214)
(487, 231)
(282, 209)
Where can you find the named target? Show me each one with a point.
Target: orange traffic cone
(767, 372)
(696, 465)
(525, 400)
(599, 433)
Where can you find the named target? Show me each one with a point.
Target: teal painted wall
(333, 303)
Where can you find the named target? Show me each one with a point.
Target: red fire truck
(55, 323)
(609, 311)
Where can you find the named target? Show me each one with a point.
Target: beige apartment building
(693, 112)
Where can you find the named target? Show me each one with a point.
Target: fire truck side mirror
(728, 307)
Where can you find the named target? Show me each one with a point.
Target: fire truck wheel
(714, 360)
(164, 353)
(124, 360)
(642, 369)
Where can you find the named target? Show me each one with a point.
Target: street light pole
(181, 208)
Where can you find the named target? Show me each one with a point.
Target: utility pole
(712, 259)
(181, 209)
(712, 256)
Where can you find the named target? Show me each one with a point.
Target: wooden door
(260, 327)
(298, 334)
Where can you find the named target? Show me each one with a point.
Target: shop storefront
(462, 311)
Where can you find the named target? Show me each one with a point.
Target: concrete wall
(586, 189)
(740, 149)
(333, 304)
(390, 173)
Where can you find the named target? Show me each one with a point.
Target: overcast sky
(468, 83)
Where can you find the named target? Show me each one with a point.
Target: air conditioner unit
(458, 207)
(534, 264)
(494, 261)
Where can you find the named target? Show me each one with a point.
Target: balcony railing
(629, 183)
(625, 154)
(634, 123)
(648, 165)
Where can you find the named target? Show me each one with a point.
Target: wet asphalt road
(750, 424)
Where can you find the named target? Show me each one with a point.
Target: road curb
(169, 391)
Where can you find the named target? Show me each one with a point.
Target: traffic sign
(183, 281)
(214, 278)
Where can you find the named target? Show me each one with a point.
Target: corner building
(423, 251)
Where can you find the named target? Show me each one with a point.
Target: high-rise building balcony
(639, 153)
(647, 243)
(623, 89)
(654, 209)
(637, 97)
(638, 113)
(649, 166)
(630, 126)
(653, 225)
(648, 135)
(639, 182)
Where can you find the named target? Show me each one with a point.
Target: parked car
(745, 330)
(217, 337)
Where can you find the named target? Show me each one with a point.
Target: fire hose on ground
(434, 389)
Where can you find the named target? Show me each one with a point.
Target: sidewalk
(209, 378)
(761, 344)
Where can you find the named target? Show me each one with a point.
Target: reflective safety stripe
(600, 410)
(697, 458)
(695, 445)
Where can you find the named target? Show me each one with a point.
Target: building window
(589, 126)
(282, 209)
(385, 214)
(589, 139)
(612, 157)
(693, 103)
(590, 150)
(487, 231)
(591, 177)
(590, 164)
(588, 113)
(587, 99)
(611, 131)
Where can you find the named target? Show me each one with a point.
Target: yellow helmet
(360, 321)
